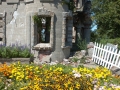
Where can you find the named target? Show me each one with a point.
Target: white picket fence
(106, 56)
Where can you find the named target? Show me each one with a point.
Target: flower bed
(55, 77)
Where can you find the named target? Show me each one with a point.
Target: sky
(94, 28)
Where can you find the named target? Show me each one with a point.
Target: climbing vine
(71, 4)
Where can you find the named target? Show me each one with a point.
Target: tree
(106, 15)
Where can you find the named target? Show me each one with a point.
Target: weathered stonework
(44, 12)
(3, 27)
(15, 60)
(67, 32)
(28, 1)
(17, 25)
(12, 1)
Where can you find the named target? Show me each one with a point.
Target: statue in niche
(43, 34)
(43, 20)
(44, 29)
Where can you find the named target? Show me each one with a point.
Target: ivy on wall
(37, 21)
(71, 4)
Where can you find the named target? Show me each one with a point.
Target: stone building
(53, 38)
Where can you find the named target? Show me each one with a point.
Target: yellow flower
(71, 88)
(77, 85)
(66, 85)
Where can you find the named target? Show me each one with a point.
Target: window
(43, 29)
(43, 25)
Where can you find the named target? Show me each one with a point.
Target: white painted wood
(106, 56)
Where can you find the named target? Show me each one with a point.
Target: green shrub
(75, 59)
(113, 41)
(14, 51)
(81, 43)
(82, 60)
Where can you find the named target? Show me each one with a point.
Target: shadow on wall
(54, 39)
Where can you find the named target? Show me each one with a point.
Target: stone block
(114, 70)
(1, 42)
(1, 14)
(83, 52)
(46, 59)
(1, 35)
(12, 1)
(1, 23)
(117, 73)
(90, 52)
(15, 60)
(1, 30)
(90, 45)
(15, 7)
(27, 1)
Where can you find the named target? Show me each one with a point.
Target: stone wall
(20, 25)
(2, 27)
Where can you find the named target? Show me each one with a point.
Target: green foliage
(113, 41)
(82, 60)
(25, 53)
(37, 20)
(3, 52)
(75, 59)
(66, 69)
(94, 36)
(82, 44)
(70, 4)
(14, 52)
(80, 66)
(106, 15)
(2, 84)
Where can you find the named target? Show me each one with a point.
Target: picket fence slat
(106, 56)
